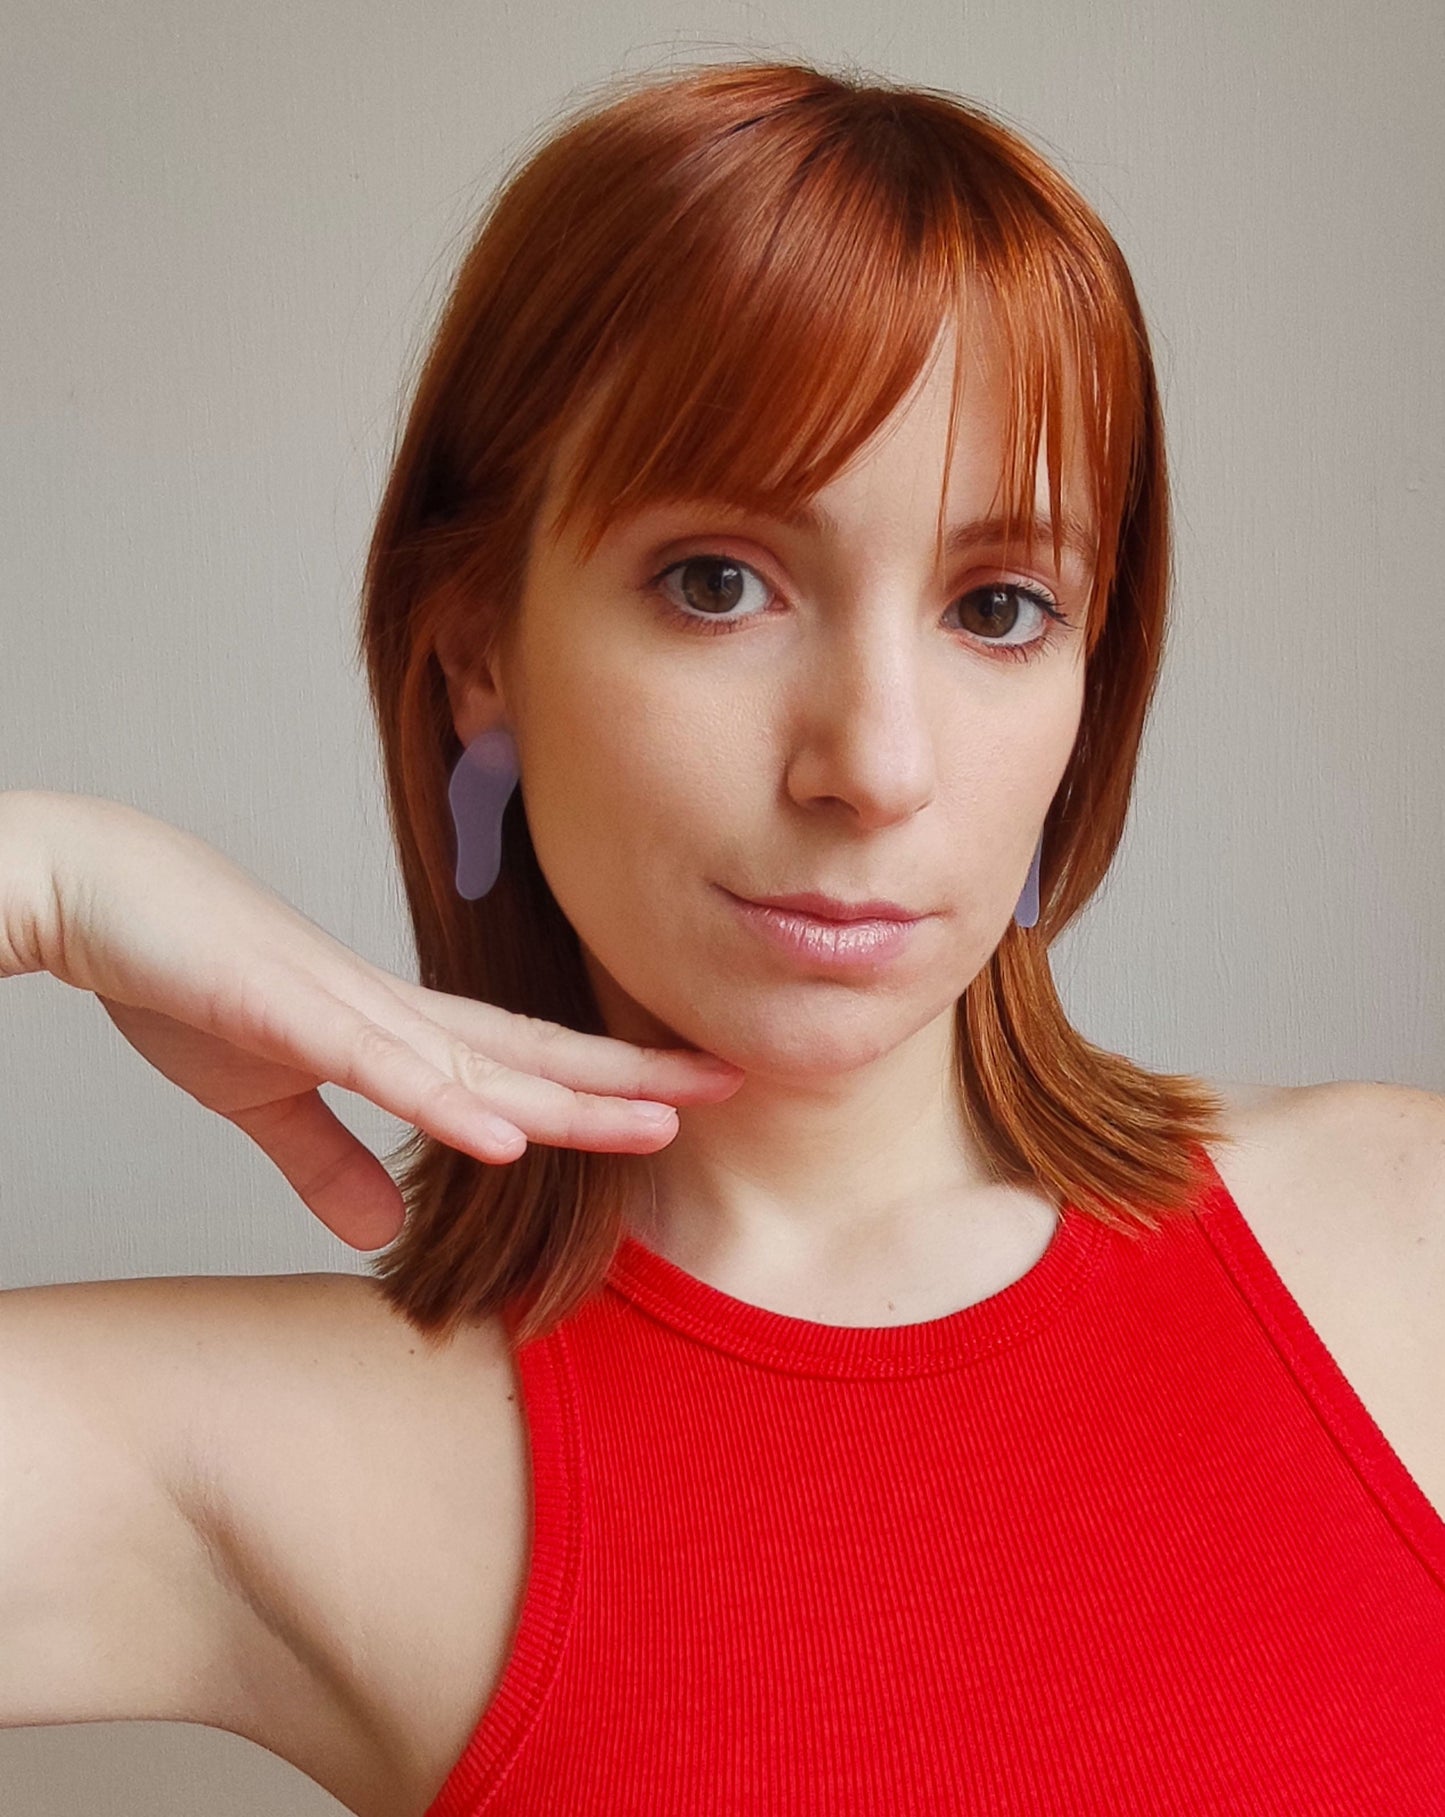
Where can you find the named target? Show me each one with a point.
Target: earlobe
(476, 701)
(475, 707)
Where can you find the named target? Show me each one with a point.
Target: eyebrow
(989, 531)
(979, 532)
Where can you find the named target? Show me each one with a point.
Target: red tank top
(1119, 1539)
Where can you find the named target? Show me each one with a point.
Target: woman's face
(864, 727)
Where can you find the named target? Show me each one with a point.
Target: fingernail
(497, 1129)
(655, 1113)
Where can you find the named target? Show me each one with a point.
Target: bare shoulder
(1343, 1186)
(1347, 1148)
(363, 1490)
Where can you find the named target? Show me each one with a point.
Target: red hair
(684, 269)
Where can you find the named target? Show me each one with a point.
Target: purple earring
(483, 780)
(481, 785)
(1027, 912)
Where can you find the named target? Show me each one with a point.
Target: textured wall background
(226, 227)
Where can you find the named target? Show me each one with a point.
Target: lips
(834, 908)
(825, 947)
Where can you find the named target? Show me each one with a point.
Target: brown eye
(990, 611)
(993, 613)
(707, 586)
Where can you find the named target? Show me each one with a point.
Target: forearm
(30, 820)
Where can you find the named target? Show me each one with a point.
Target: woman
(940, 1413)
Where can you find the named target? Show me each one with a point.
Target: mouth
(823, 943)
(819, 907)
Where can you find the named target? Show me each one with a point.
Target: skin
(857, 733)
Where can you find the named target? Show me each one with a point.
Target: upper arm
(127, 1525)
(206, 1484)
(109, 1605)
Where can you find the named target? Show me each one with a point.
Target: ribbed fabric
(1119, 1539)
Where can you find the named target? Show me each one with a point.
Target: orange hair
(731, 277)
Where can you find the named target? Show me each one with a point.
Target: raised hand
(249, 1006)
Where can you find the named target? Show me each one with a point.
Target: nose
(865, 730)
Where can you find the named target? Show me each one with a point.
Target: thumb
(338, 1178)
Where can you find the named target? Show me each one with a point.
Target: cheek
(614, 783)
(648, 746)
(1008, 765)
(1000, 779)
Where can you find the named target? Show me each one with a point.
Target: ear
(474, 692)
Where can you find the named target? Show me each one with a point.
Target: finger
(431, 1079)
(386, 1027)
(542, 1109)
(337, 1177)
(585, 1062)
(469, 1100)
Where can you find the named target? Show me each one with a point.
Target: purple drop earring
(481, 785)
(1027, 912)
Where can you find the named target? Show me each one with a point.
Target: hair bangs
(726, 385)
(717, 370)
(1073, 401)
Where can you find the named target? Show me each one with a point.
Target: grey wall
(225, 228)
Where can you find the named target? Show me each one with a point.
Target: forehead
(967, 530)
(954, 432)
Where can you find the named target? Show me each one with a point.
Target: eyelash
(719, 627)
